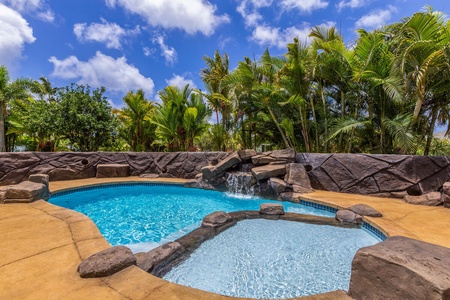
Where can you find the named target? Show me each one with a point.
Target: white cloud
(350, 3)
(180, 82)
(14, 33)
(169, 53)
(116, 75)
(248, 9)
(274, 36)
(36, 8)
(304, 5)
(191, 16)
(148, 51)
(109, 33)
(376, 18)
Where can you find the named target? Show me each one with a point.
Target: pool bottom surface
(273, 259)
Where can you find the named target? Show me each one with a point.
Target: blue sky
(129, 44)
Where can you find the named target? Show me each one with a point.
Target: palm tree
(424, 40)
(9, 90)
(195, 119)
(295, 79)
(44, 89)
(213, 75)
(137, 115)
(180, 118)
(424, 60)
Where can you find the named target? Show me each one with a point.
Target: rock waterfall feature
(271, 174)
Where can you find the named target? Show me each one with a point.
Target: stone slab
(112, 170)
(267, 171)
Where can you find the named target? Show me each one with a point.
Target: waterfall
(242, 183)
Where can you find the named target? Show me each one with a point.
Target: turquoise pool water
(145, 216)
(273, 259)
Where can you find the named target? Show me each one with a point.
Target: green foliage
(135, 126)
(180, 119)
(84, 118)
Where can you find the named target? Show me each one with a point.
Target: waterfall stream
(242, 183)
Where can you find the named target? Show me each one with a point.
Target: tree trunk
(325, 117)
(286, 143)
(2, 127)
(430, 133)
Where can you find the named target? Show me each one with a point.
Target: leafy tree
(35, 119)
(9, 90)
(85, 118)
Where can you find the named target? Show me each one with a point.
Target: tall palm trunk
(272, 115)
(2, 127)
(430, 132)
(325, 117)
(316, 132)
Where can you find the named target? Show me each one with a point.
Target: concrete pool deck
(43, 244)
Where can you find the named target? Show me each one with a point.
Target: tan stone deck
(41, 246)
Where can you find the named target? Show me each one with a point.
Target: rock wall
(377, 175)
(17, 167)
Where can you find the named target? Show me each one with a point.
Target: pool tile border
(319, 206)
(366, 226)
(107, 185)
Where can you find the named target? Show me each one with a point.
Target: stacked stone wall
(378, 175)
(17, 167)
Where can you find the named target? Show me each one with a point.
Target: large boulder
(297, 177)
(227, 163)
(349, 217)
(216, 219)
(149, 260)
(26, 192)
(401, 268)
(290, 196)
(265, 172)
(445, 198)
(365, 210)
(107, 262)
(279, 186)
(246, 154)
(215, 174)
(430, 199)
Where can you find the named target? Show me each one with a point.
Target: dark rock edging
(365, 210)
(106, 262)
(213, 224)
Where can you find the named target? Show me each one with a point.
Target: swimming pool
(273, 260)
(143, 216)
